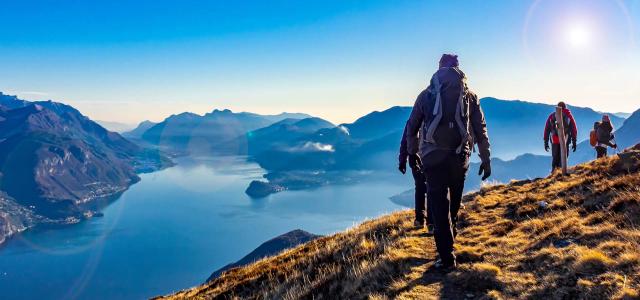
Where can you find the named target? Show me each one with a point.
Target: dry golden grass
(583, 245)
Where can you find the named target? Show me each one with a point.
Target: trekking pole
(563, 139)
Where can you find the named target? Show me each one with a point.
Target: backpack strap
(437, 110)
(436, 88)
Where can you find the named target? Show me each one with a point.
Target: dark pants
(423, 209)
(556, 161)
(445, 183)
(601, 151)
(556, 155)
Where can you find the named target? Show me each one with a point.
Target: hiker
(551, 132)
(422, 208)
(451, 120)
(602, 136)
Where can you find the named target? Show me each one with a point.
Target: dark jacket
(470, 119)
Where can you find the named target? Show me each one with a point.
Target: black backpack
(603, 132)
(447, 134)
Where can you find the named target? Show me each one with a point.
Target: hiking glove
(414, 162)
(546, 146)
(403, 167)
(485, 168)
(574, 146)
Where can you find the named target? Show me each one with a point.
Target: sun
(578, 35)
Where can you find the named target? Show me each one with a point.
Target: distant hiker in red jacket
(551, 133)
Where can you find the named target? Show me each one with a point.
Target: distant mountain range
(217, 132)
(372, 142)
(139, 130)
(360, 144)
(58, 166)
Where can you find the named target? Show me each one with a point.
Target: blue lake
(174, 228)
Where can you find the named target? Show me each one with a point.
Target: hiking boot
(418, 224)
(445, 267)
(430, 229)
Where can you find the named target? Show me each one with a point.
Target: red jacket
(550, 130)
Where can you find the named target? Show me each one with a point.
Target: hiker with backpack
(422, 208)
(551, 133)
(451, 121)
(602, 136)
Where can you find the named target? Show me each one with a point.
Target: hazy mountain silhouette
(137, 132)
(379, 123)
(116, 126)
(629, 133)
(213, 133)
(57, 163)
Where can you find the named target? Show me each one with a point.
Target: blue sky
(132, 60)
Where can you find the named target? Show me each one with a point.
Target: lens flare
(578, 35)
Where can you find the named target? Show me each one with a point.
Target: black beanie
(449, 61)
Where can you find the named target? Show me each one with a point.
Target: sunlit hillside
(553, 238)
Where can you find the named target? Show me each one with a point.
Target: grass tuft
(477, 277)
(592, 261)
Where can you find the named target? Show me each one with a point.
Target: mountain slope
(630, 130)
(573, 237)
(59, 166)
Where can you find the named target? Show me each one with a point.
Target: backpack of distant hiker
(593, 138)
(603, 132)
(593, 135)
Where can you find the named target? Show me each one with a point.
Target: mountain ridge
(58, 166)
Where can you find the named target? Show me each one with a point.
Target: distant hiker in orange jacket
(451, 120)
(551, 133)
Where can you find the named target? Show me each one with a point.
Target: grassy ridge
(554, 238)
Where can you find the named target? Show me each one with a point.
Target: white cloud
(313, 147)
